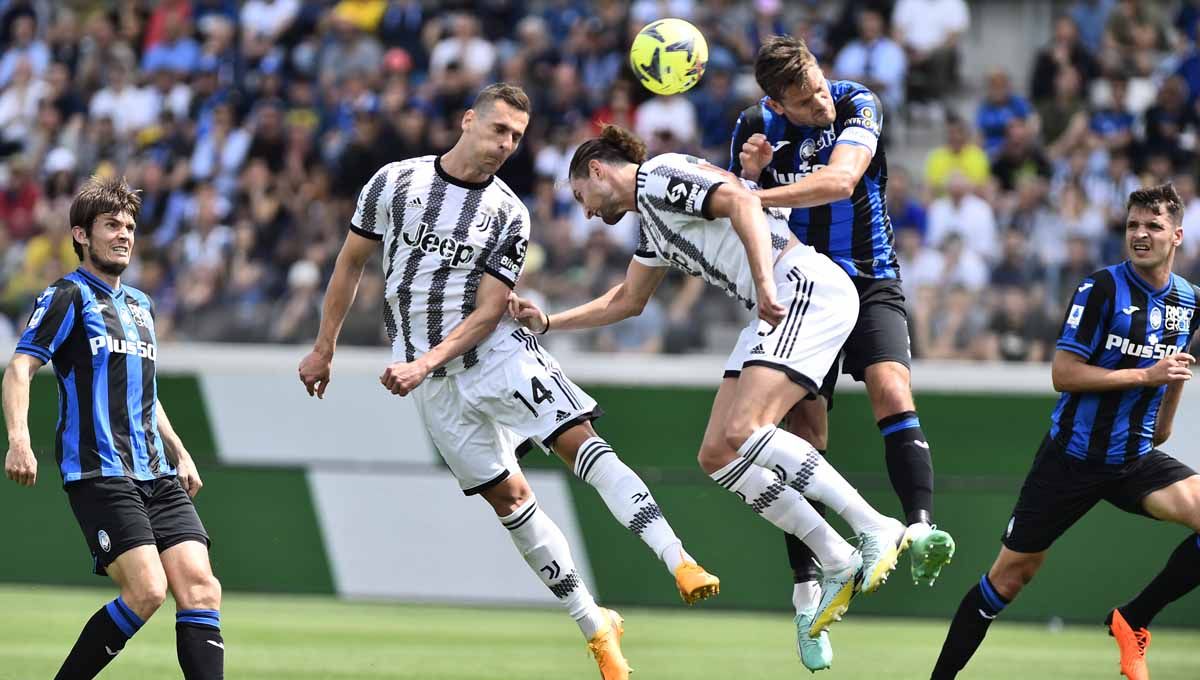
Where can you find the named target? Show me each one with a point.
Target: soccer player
(694, 220)
(455, 238)
(812, 144)
(128, 477)
(1120, 366)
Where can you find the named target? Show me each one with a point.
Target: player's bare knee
(200, 592)
(889, 389)
(1009, 579)
(714, 456)
(739, 429)
(508, 495)
(146, 596)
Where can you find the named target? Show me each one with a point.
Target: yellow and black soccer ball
(668, 56)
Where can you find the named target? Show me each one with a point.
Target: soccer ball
(668, 56)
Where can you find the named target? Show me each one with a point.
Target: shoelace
(1142, 638)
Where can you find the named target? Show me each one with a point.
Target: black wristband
(547, 328)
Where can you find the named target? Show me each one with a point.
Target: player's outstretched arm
(622, 301)
(177, 453)
(315, 368)
(20, 465)
(491, 299)
(744, 210)
(834, 182)
(1070, 372)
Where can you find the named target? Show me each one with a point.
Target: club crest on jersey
(141, 316)
(1179, 318)
(1155, 318)
(105, 542)
(448, 248)
(682, 194)
(1151, 350)
(808, 149)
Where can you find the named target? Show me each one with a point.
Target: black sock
(805, 567)
(980, 605)
(1178, 578)
(199, 644)
(909, 464)
(103, 636)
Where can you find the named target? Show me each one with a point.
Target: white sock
(629, 500)
(807, 472)
(805, 595)
(545, 549)
(784, 507)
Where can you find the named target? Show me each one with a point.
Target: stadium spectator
(1112, 123)
(905, 211)
(1000, 105)
(874, 60)
(667, 124)
(1090, 17)
(930, 31)
(1019, 156)
(26, 49)
(1065, 51)
(465, 47)
(1018, 330)
(965, 215)
(1064, 117)
(958, 155)
(1016, 266)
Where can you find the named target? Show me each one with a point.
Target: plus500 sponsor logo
(144, 350)
(1141, 351)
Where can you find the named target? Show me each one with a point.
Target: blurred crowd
(250, 128)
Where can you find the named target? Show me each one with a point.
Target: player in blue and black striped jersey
(812, 144)
(1120, 364)
(126, 473)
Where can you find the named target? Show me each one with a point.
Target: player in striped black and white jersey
(703, 220)
(454, 239)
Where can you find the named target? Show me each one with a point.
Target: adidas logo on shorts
(562, 415)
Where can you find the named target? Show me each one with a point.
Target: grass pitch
(323, 638)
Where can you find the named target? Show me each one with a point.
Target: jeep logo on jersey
(682, 194)
(1179, 318)
(448, 248)
(1147, 351)
(144, 350)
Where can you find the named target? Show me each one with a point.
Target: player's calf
(198, 641)
(630, 502)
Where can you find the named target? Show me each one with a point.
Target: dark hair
(1158, 198)
(781, 63)
(101, 195)
(508, 93)
(614, 145)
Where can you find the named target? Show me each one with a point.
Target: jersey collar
(1141, 283)
(97, 281)
(437, 165)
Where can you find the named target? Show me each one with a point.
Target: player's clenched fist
(314, 373)
(20, 465)
(402, 377)
(528, 314)
(1171, 369)
(755, 155)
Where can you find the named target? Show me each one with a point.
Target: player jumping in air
(694, 220)
(812, 144)
(127, 475)
(1120, 366)
(454, 238)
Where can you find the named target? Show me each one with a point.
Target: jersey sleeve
(51, 322)
(1086, 316)
(646, 254)
(371, 212)
(507, 259)
(680, 184)
(860, 117)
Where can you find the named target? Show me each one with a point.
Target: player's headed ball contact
(668, 56)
